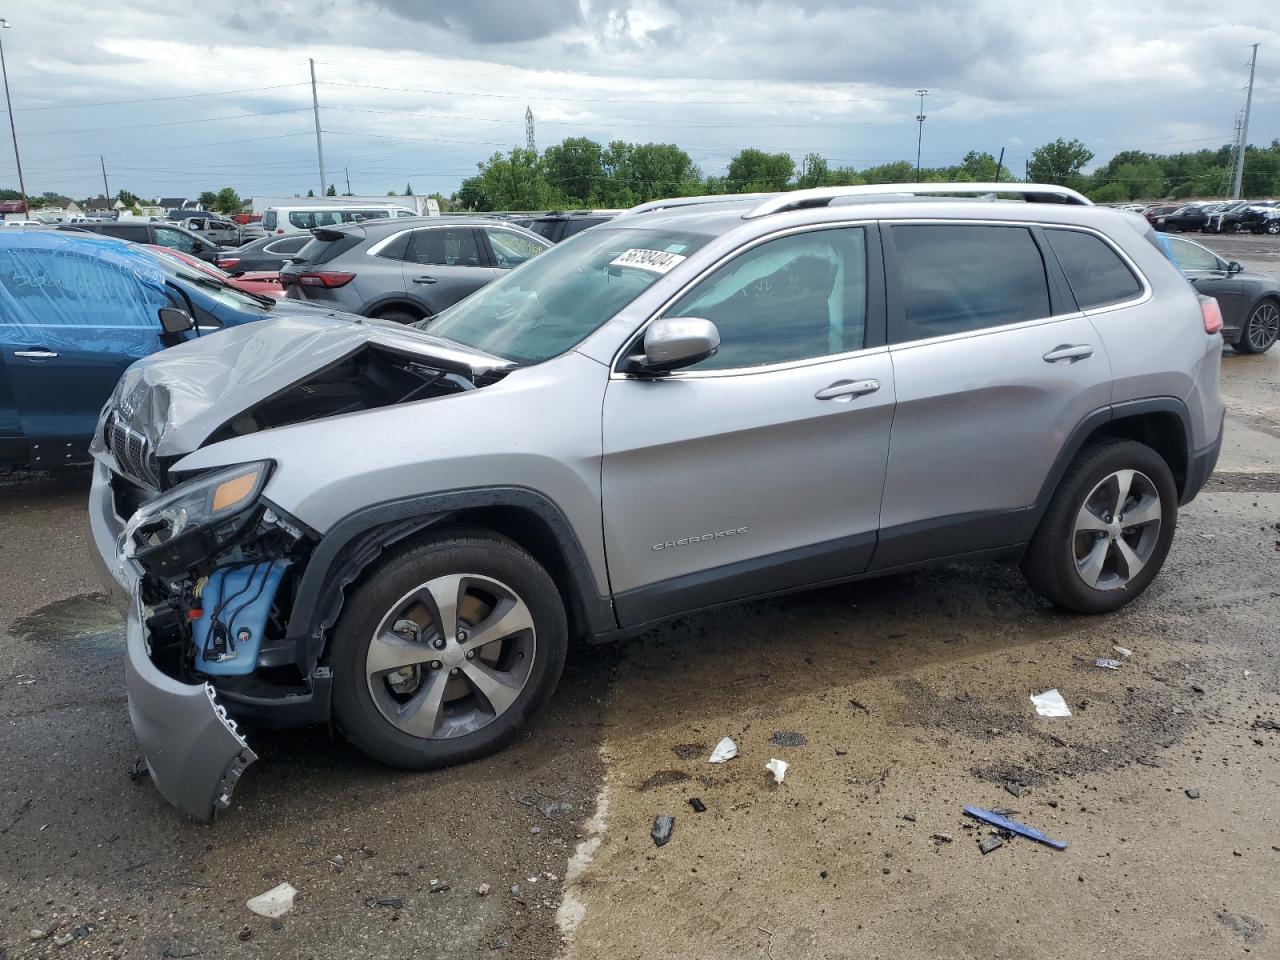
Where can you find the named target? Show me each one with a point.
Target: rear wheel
(399, 316)
(1107, 530)
(1261, 329)
(446, 650)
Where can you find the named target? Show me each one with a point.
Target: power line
(167, 123)
(183, 96)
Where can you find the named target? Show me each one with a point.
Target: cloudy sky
(183, 97)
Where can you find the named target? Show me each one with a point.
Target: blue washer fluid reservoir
(234, 606)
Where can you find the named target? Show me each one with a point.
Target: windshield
(218, 289)
(551, 303)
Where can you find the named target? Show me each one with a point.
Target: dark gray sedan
(406, 269)
(1250, 302)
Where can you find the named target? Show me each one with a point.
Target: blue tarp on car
(54, 280)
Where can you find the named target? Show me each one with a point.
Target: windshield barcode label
(655, 261)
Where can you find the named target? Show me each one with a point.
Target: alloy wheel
(1116, 530)
(1264, 326)
(451, 656)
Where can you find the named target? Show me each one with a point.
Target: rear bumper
(192, 748)
(1200, 467)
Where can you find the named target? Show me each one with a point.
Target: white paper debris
(276, 902)
(778, 768)
(1106, 663)
(1050, 704)
(726, 749)
(1123, 651)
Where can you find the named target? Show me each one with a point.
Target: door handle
(1069, 352)
(847, 389)
(424, 279)
(40, 354)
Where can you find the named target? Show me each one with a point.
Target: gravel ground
(895, 701)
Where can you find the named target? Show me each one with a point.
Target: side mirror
(1235, 267)
(174, 321)
(673, 342)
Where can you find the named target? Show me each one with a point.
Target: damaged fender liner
(193, 751)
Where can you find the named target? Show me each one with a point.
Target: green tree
(311, 193)
(575, 167)
(470, 195)
(814, 172)
(754, 170)
(1060, 162)
(515, 181)
(332, 191)
(900, 171)
(206, 200)
(660, 170)
(408, 190)
(227, 201)
(128, 198)
(979, 166)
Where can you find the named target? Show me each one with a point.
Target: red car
(264, 283)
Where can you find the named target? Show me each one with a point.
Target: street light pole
(920, 134)
(4, 25)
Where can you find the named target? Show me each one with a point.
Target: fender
(359, 538)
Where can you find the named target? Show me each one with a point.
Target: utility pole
(528, 130)
(1244, 129)
(315, 107)
(22, 187)
(999, 164)
(346, 172)
(922, 93)
(106, 191)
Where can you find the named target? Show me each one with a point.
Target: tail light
(321, 278)
(1212, 314)
(227, 263)
(280, 230)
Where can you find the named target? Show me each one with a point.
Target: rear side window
(319, 251)
(302, 219)
(132, 233)
(269, 220)
(289, 245)
(961, 278)
(446, 248)
(1095, 272)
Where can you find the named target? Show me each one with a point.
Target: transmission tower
(528, 129)
(1237, 149)
(1242, 138)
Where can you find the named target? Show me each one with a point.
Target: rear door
(994, 366)
(69, 334)
(508, 249)
(444, 264)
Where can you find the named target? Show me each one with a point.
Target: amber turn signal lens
(234, 491)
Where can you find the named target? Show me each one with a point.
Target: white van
(278, 220)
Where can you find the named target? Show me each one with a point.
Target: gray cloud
(491, 21)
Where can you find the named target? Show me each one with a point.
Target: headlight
(211, 509)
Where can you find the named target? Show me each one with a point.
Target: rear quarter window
(302, 219)
(1095, 272)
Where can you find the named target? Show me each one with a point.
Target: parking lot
(896, 702)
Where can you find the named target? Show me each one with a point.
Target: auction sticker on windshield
(655, 261)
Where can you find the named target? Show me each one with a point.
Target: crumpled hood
(176, 398)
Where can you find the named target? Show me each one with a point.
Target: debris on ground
(698, 805)
(909, 817)
(559, 808)
(778, 768)
(1124, 652)
(177, 949)
(482, 890)
(246, 933)
(1194, 793)
(1106, 663)
(1050, 704)
(1266, 725)
(137, 769)
(662, 827)
(1021, 829)
(391, 903)
(788, 738)
(1148, 761)
(725, 750)
(1014, 789)
(663, 778)
(941, 838)
(859, 705)
(439, 886)
(689, 751)
(276, 902)
(990, 843)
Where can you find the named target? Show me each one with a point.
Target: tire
(1273, 228)
(1057, 559)
(365, 699)
(398, 316)
(1261, 329)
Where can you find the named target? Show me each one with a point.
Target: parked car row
(1227, 216)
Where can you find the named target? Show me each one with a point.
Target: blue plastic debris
(1013, 826)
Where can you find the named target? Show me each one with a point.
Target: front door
(760, 468)
(70, 327)
(444, 264)
(1208, 273)
(993, 372)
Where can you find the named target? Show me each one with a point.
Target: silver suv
(704, 400)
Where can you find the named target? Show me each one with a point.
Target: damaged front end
(207, 568)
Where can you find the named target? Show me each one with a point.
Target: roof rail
(671, 202)
(822, 196)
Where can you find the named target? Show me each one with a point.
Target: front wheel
(446, 649)
(1261, 329)
(1107, 530)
